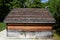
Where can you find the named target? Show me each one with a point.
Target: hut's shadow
(57, 27)
(58, 30)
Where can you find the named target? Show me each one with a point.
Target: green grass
(2, 26)
(56, 36)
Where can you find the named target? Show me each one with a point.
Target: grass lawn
(2, 26)
(56, 36)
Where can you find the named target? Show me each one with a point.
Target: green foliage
(2, 26)
(58, 16)
(54, 7)
(37, 3)
(24, 4)
(29, 3)
(33, 3)
(13, 4)
(1, 3)
(43, 5)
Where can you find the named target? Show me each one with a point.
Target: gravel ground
(4, 37)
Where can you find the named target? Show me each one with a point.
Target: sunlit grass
(56, 36)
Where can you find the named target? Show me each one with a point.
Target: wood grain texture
(30, 28)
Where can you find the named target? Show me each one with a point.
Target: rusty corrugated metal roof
(29, 15)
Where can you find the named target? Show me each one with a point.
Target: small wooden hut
(27, 22)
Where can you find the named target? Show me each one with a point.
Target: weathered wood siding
(30, 28)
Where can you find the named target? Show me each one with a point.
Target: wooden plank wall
(30, 28)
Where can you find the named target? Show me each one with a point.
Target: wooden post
(7, 29)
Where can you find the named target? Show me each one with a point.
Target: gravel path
(4, 37)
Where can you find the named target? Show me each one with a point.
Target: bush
(2, 26)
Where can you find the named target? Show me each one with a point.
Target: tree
(58, 16)
(37, 3)
(54, 7)
(33, 3)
